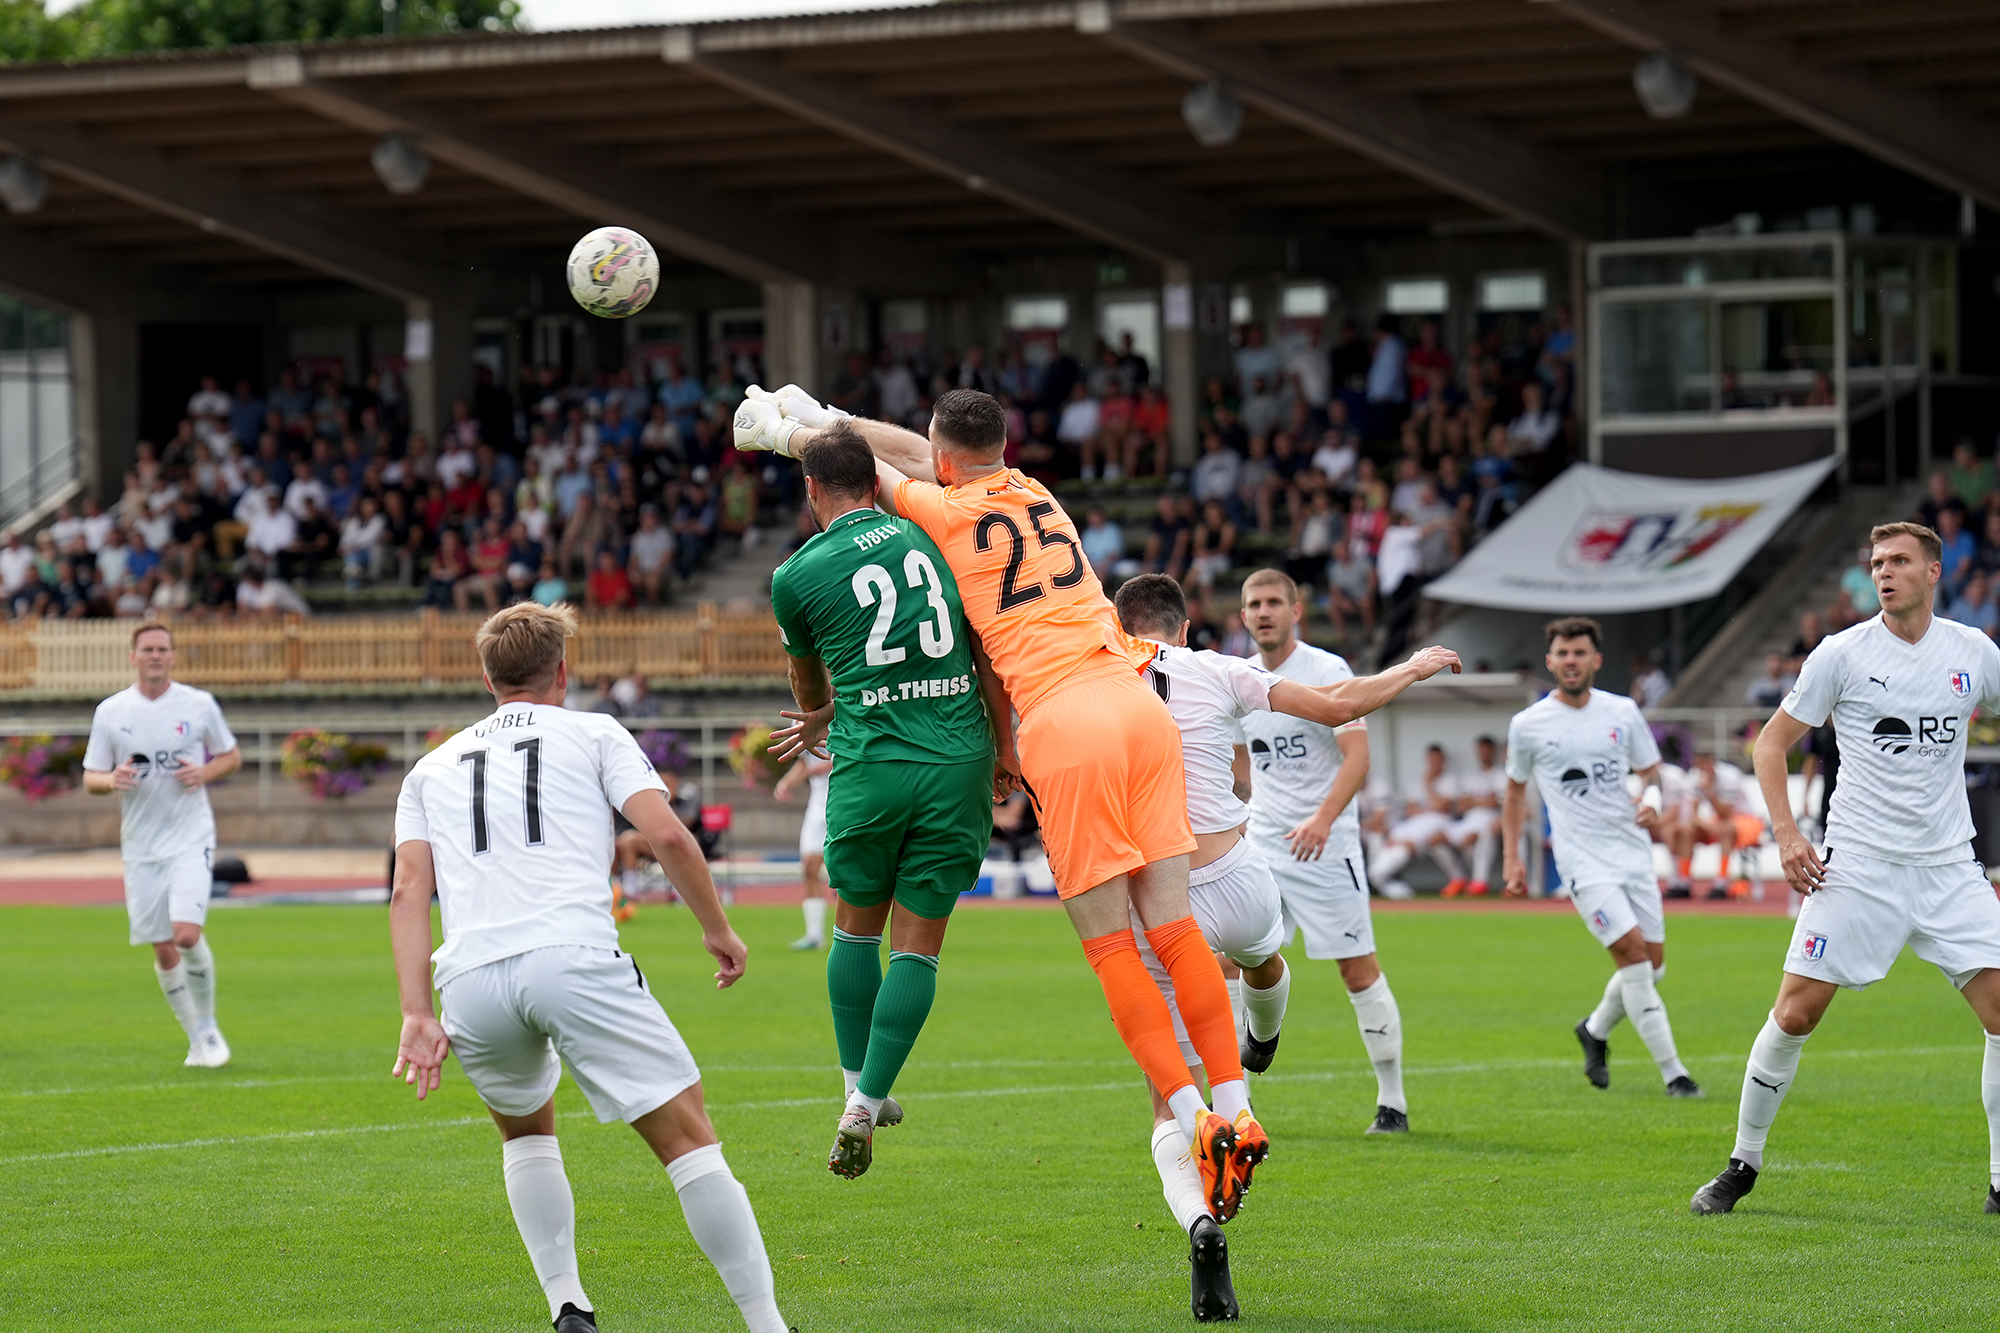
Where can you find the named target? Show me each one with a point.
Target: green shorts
(917, 831)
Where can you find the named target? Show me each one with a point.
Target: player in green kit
(872, 620)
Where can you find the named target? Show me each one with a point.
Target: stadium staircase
(1809, 580)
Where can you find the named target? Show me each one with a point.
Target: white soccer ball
(613, 272)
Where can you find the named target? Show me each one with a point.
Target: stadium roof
(908, 150)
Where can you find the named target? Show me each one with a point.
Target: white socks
(628, 880)
(718, 1214)
(852, 1078)
(1449, 860)
(1382, 1033)
(174, 985)
(1989, 1088)
(1774, 1062)
(1482, 854)
(1187, 1106)
(1648, 1013)
(1235, 987)
(1611, 1008)
(1265, 1009)
(199, 965)
(872, 1105)
(1230, 1099)
(815, 910)
(545, 1212)
(1180, 1178)
(1383, 868)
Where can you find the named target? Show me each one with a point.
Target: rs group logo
(1813, 949)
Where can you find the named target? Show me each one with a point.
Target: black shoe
(1388, 1120)
(1208, 1255)
(1256, 1053)
(573, 1320)
(1685, 1087)
(1596, 1051)
(1993, 1200)
(1680, 890)
(1718, 891)
(1720, 1195)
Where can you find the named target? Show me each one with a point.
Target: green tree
(121, 27)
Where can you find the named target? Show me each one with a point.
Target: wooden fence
(90, 657)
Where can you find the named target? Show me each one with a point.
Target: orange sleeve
(923, 504)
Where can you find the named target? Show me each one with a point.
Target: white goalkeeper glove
(760, 425)
(799, 405)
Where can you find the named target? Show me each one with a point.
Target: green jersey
(873, 598)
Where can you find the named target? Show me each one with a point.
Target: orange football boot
(1253, 1145)
(1215, 1154)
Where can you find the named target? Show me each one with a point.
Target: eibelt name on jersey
(1579, 758)
(1292, 761)
(1204, 691)
(1900, 715)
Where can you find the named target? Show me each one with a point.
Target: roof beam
(752, 244)
(1460, 156)
(321, 239)
(1912, 130)
(1161, 224)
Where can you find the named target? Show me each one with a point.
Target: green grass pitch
(301, 1188)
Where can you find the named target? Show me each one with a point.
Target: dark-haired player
(1579, 744)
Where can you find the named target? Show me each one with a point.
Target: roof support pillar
(791, 334)
(441, 329)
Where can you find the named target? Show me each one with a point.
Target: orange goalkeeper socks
(1138, 1010)
(1202, 995)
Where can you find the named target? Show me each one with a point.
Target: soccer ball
(613, 272)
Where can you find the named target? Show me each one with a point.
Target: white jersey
(1901, 711)
(1727, 786)
(517, 810)
(1478, 788)
(183, 726)
(1292, 761)
(1205, 691)
(1677, 788)
(1579, 758)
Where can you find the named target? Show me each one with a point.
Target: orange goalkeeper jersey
(1031, 596)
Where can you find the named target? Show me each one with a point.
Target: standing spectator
(1214, 546)
(1958, 553)
(1311, 379)
(210, 404)
(1769, 690)
(1132, 365)
(1537, 426)
(1938, 497)
(17, 566)
(1255, 361)
(113, 568)
(1650, 682)
(1388, 391)
(694, 529)
(1971, 476)
(652, 557)
(895, 388)
(1217, 473)
(1077, 427)
(609, 589)
(1350, 586)
(1168, 542)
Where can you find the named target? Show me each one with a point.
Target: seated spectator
(1858, 597)
(1971, 476)
(1811, 631)
(652, 549)
(1350, 587)
(448, 566)
(1769, 690)
(549, 589)
(1974, 605)
(1214, 547)
(608, 588)
(1168, 542)
(97, 525)
(488, 558)
(1077, 427)
(587, 529)
(1958, 551)
(736, 502)
(17, 566)
(1261, 411)
(69, 597)
(1537, 426)
(141, 558)
(172, 594)
(1151, 415)
(1938, 497)
(694, 529)
(1103, 543)
(1650, 682)
(1315, 534)
(114, 562)
(1217, 473)
(305, 486)
(1336, 458)
(313, 540)
(1399, 559)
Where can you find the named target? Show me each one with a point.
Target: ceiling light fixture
(1213, 116)
(402, 165)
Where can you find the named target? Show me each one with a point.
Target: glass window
(37, 427)
(1305, 300)
(1513, 291)
(1137, 316)
(1241, 309)
(1417, 296)
(905, 317)
(1700, 267)
(1656, 358)
(1777, 353)
(1037, 312)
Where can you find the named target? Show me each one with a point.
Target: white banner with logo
(1595, 540)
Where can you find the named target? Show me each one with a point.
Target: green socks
(901, 1007)
(853, 976)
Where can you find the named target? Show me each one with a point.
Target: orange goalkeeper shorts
(1102, 760)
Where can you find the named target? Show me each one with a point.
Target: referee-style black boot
(1388, 1120)
(1256, 1052)
(1208, 1255)
(1596, 1056)
(573, 1320)
(1993, 1200)
(1721, 1194)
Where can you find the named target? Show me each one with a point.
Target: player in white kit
(1477, 800)
(816, 773)
(510, 822)
(1901, 688)
(1578, 744)
(1235, 900)
(1303, 780)
(156, 745)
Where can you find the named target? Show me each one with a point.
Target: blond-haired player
(1097, 751)
(509, 821)
(156, 745)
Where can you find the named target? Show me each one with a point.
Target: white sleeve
(1520, 759)
(1248, 687)
(1817, 688)
(1991, 652)
(1642, 751)
(217, 736)
(100, 755)
(622, 767)
(412, 825)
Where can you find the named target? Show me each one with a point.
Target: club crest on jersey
(1813, 949)
(1618, 735)
(1961, 683)
(1600, 920)
(183, 730)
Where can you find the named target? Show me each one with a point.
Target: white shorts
(1325, 900)
(812, 833)
(1610, 908)
(1236, 905)
(1471, 824)
(1851, 930)
(510, 1020)
(1419, 829)
(159, 893)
